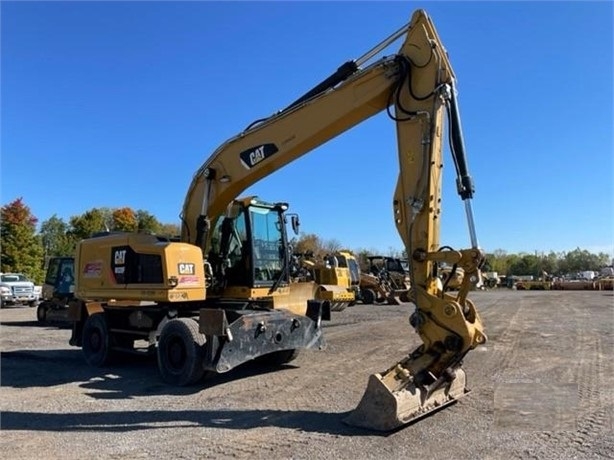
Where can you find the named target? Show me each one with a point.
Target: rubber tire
(277, 358)
(95, 344)
(368, 296)
(41, 313)
(33, 304)
(181, 341)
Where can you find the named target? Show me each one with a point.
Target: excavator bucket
(381, 409)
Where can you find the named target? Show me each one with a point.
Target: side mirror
(295, 223)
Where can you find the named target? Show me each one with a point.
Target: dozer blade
(383, 410)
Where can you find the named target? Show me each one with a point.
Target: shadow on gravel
(54, 325)
(134, 376)
(47, 368)
(19, 323)
(309, 421)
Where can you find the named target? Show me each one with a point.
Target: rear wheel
(96, 340)
(180, 352)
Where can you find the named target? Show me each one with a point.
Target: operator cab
(249, 246)
(59, 279)
(351, 264)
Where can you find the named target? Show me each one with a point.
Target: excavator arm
(416, 86)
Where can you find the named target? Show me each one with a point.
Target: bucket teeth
(383, 410)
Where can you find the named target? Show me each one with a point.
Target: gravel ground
(541, 388)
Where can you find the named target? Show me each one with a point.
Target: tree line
(552, 263)
(500, 261)
(25, 248)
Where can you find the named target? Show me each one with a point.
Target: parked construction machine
(385, 280)
(221, 296)
(333, 280)
(58, 289)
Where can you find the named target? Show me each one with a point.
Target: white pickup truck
(17, 288)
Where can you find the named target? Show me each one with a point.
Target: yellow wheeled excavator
(222, 296)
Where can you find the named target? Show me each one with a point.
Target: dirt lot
(541, 388)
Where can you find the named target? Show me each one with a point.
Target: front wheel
(41, 312)
(180, 352)
(368, 296)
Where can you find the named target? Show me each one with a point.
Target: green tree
(147, 223)
(88, 223)
(56, 238)
(497, 261)
(581, 259)
(525, 264)
(169, 230)
(550, 263)
(22, 249)
(107, 218)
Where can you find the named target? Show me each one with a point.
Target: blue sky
(117, 104)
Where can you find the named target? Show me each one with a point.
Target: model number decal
(254, 155)
(186, 269)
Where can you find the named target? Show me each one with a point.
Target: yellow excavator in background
(221, 296)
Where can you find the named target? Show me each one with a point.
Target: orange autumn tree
(124, 220)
